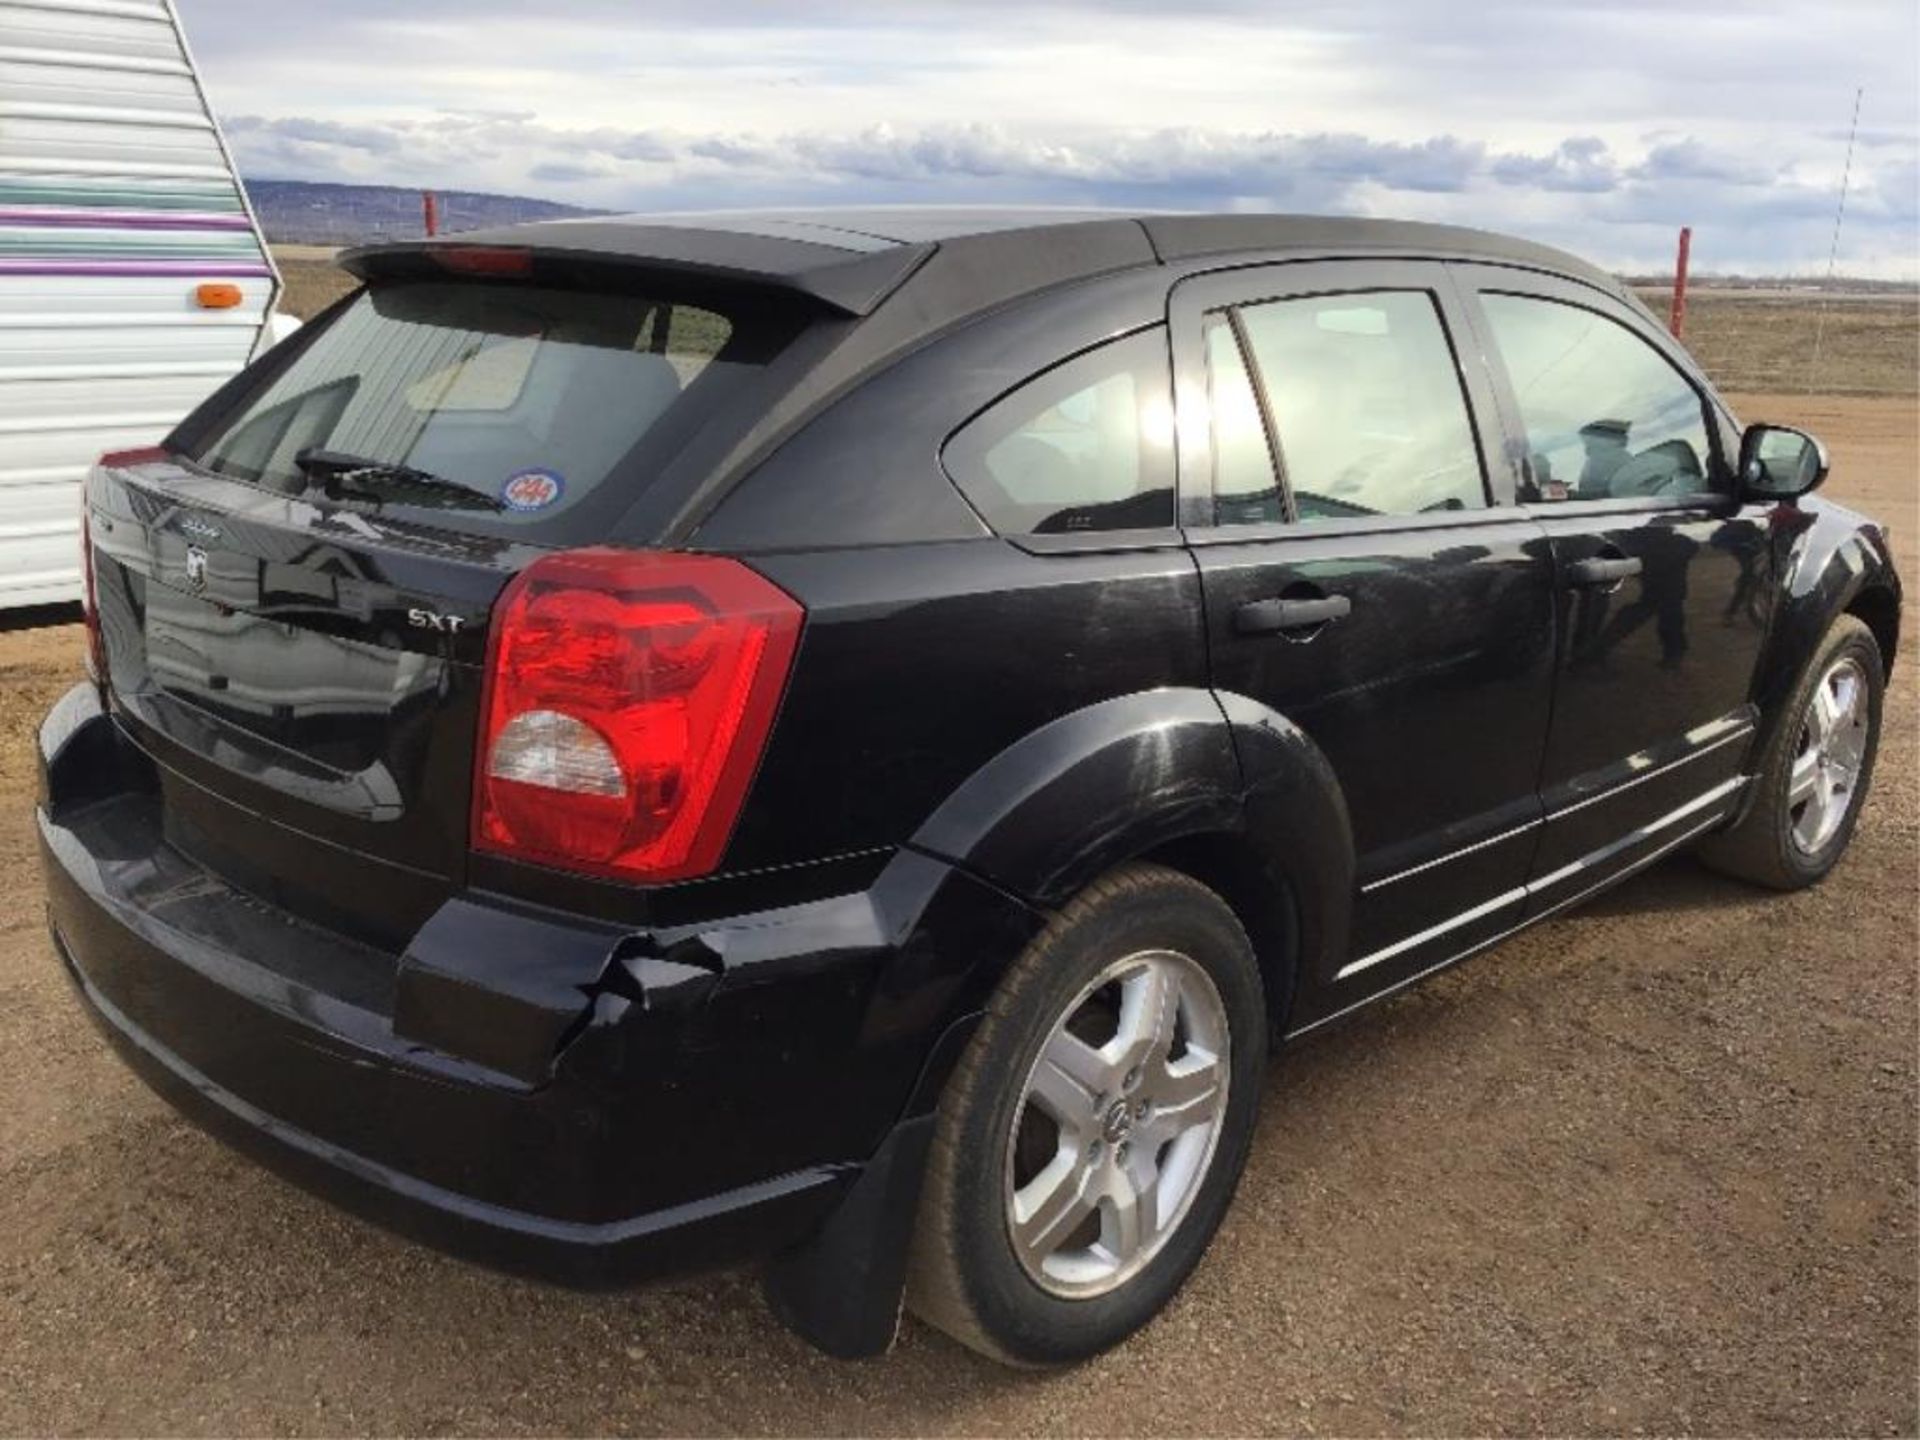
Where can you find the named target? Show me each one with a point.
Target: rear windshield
(557, 403)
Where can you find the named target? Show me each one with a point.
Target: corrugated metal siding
(116, 201)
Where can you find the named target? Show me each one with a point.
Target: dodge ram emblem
(196, 567)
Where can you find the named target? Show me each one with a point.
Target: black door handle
(1603, 571)
(1264, 617)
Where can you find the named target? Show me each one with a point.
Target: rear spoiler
(842, 271)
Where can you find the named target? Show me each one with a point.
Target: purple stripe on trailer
(121, 219)
(185, 269)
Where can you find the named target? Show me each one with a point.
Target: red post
(430, 209)
(1677, 316)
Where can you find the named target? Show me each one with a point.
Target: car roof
(852, 259)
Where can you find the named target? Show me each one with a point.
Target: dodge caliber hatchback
(846, 737)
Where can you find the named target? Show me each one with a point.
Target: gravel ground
(1649, 1168)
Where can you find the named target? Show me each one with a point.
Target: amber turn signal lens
(217, 297)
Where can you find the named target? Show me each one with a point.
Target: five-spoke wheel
(1832, 750)
(1090, 1138)
(1117, 1124)
(1811, 778)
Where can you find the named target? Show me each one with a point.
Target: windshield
(556, 403)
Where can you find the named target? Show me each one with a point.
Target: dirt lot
(1765, 340)
(1648, 1168)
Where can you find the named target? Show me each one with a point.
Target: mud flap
(841, 1289)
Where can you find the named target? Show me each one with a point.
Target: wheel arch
(1212, 784)
(1088, 791)
(1877, 606)
(1834, 563)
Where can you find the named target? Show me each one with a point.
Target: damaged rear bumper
(709, 1231)
(541, 1092)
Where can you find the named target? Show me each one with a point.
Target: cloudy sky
(1597, 127)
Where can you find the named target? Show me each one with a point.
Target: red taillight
(90, 595)
(629, 695)
(126, 459)
(90, 601)
(494, 260)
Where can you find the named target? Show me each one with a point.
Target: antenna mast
(1833, 252)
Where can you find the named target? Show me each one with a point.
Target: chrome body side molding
(1725, 791)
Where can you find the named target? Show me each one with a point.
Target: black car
(846, 737)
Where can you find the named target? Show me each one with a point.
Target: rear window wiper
(344, 476)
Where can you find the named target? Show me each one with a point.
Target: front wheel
(1091, 1137)
(1813, 778)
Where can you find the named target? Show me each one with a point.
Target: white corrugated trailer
(133, 275)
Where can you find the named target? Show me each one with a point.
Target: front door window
(1607, 418)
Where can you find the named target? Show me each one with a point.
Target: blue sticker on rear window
(529, 490)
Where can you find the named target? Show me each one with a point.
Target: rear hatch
(293, 594)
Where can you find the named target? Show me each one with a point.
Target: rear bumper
(720, 1228)
(520, 1087)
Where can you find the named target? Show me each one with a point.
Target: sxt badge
(434, 620)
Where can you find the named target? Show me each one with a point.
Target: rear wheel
(1091, 1137)
(1813, 778)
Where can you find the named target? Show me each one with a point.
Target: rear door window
(539, 397)
(1367, 405)
(1085, 446)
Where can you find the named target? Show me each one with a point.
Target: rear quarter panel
(932, 645)
(921, 663)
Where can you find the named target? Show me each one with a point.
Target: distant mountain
(296, 212)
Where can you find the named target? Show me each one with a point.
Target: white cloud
(1581, 166)
(1603, 126)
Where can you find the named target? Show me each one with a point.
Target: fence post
(1677, 316)
(430, 211)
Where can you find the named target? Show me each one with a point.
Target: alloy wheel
(1832, 751)
(1117, 1124)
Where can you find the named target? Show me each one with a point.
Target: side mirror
(1780, 463)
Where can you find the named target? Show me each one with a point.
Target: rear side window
(1367, 405)
(1085, 446)
(540, 397)
(1608, 417)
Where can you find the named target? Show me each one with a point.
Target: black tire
(1762, 848)
(965, 1276)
